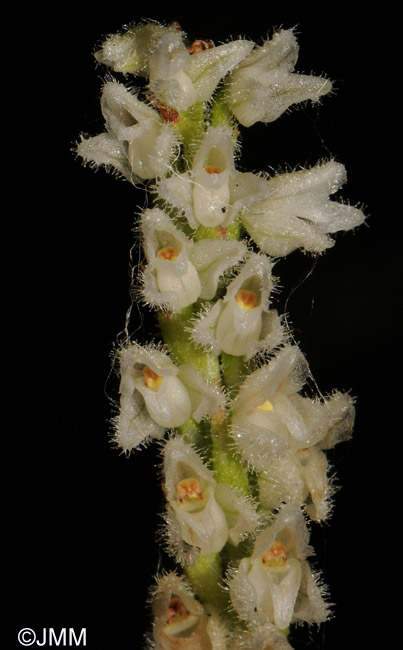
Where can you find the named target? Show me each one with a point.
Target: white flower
(264, 84)
(297, 211)
(241, 324)
(179, 271)
(281, 433)
(179, 79)
(275, 584)
(170, 280)
(263, 637)
(181, 622)
(267, 413)
(213, 192)
(201, 514)
(137, 143)
(301, 476)
(156, 395)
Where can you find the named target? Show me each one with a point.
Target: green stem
(191, 126)
(205, 576)
(175, 335)
(228, 468)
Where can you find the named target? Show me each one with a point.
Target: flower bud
(130, 51)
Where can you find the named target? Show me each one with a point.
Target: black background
(81, 523)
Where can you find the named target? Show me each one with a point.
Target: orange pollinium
(246, 299)
(168, 253)
(276, 556)
(189, 490)
(151, 379)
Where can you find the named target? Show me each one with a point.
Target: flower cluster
(243, 443)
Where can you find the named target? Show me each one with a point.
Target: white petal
(168, 80)
(240, 513)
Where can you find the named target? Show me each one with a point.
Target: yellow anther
(168, 253)
(266, 406)
(189, 490)
(275, 557)
(246, 299)
(212, 169)
(151, 379)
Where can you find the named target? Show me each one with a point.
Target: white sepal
(207, 399)
(300, 478)
(179, 79)
(129, 52)
(298, 213)
(262, 637)
(264, 85)
(212, 258)
(168, 81)
(137, 143)
(180, 621)
(170, 284)
(207, 67)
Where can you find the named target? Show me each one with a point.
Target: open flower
(156, 395)
(267, 414)
(178, 270)
(179, 79)
(202, 515)
(170, 280)
(298, 213)
(241, 323)
(181, 622)
(276, 584)
(137, 142)
(264, 84)
(301, 476)
(213, 192)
